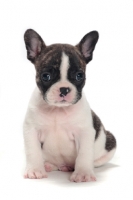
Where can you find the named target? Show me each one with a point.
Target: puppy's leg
(105, 158)
(109, 148)
(85, 158)
(34, 158)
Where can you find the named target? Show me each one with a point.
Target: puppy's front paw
(34, 173)
(82, 176)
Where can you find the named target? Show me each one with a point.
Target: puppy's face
(60, 75)
(60, 68)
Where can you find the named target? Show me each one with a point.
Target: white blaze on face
(53, 95)
(64, 67)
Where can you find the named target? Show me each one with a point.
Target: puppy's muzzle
(64, 91)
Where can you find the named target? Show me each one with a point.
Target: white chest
(57, 127)
(57, 130)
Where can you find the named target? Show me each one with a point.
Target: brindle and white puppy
(61, 132)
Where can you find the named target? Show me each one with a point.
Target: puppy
(61, 132)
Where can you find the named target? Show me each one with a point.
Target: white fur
(66, 132)
(64, 67)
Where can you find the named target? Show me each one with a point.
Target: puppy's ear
(87, 45)
(34, 44)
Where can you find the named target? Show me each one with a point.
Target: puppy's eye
(45, 76)
(79, 76)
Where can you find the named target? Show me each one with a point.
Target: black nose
(64, 91)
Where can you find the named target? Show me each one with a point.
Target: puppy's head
(60, 68)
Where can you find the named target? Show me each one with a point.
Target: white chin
(61, 104)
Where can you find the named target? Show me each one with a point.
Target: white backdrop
(108, 90)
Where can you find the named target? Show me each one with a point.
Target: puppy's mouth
(62, 101)
(65, 102)
(57, 103)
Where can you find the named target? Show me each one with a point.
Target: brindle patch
(54, 52)
(41, 145)
(97, 124)
(110, 141)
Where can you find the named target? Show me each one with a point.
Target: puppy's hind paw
(50, 167)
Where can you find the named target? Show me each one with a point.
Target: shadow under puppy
(61, 132)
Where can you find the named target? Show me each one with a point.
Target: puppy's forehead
(53, 55)
(64, 66)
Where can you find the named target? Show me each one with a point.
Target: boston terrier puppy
(61, 132)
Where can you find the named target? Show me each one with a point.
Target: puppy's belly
(59, 148)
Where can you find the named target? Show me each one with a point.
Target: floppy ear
(34, 44)
(87, 45)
